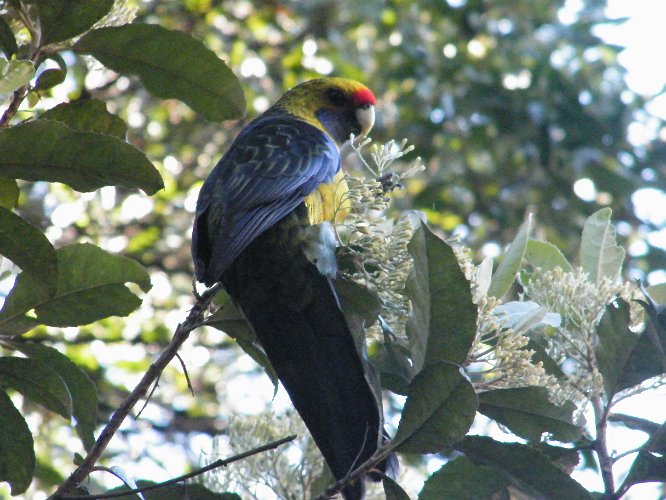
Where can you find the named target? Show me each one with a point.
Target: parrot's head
(338, 106)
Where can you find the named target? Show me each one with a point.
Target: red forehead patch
(363, 96)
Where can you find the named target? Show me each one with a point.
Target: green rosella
(252, 232)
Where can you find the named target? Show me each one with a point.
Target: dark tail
(296, 316)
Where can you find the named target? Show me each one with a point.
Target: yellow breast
(329, 202)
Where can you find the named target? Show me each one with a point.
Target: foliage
(508, 107)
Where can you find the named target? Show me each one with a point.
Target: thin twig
(600, 446)
(214, 465)
(183, 330)
(357, 474)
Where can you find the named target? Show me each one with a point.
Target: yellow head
(338, 106)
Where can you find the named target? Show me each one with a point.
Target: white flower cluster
(378, 246)
(580, 304)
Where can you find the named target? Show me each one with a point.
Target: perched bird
(252, 231)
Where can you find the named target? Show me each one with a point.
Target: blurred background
(546, 106)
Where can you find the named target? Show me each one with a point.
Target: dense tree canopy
(508, 106)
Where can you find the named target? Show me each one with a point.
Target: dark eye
(336, 97)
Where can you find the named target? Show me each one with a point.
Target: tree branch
(605, 460)
(193, 320)
(214, 465)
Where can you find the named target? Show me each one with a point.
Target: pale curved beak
(366, 118)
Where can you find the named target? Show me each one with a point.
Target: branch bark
(193, 320)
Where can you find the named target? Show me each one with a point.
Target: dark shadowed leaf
(81, 388)
(527, 412)
(7, 40)
(17, 456)
(394, 367)
(600, 255)
(28, 248)
(190, 491)
(439, 410)
(63, 19)
(9, 193)
(527, 468)
(546, 256)
(442, 325)
(460, 479)
(393, 490)
(171, 64)
(648, 467)
(49, 78)
(87, 114)
(231, 321)
(256, 353)
(359, 305)
(508, 269)
(91, 286)
(38, 382)
(48, 150)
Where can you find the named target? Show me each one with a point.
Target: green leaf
(257, 354)
(460, 479)
(442, 325)
(7, 40)
(526, 467)
(393, 490)
(81, 388)
(230, 320)
(49, 78)
(648, 467)
(91, 286)
(28, 248)
(394, 367)
(37, 382)
(439, 410)
(171, 64)
(47, 150)
(15, 74)
(64, 19)
(510, 265)
(600, 255)
(190, 491)
(626, 359)
(360, 307)
(546, 256)
(17, 455)
(9, 193)
(87, 115)
(528, 413)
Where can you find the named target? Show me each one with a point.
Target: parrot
(252, 230)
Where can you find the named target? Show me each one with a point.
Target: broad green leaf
(9, 193)
(14, 74)
(442, 325)
(527, 468)
(81, 388)
(393, 490)
(7, 40)
(91, 286)
(252, 350)
(600, 256)
(28, 248)
(460, 479)
(38, 382)
(230, 320)
(171, 64)
(648, 356)
(528, 413)
(49, 78)
(439, 410)
(546, 256)
(17, 455)
(64, 19)
(625, 358)
(47, 150)
(189, 491)
(510, 265)
(648, 467)
(393, 365)
(87, 114)
(359, 305)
